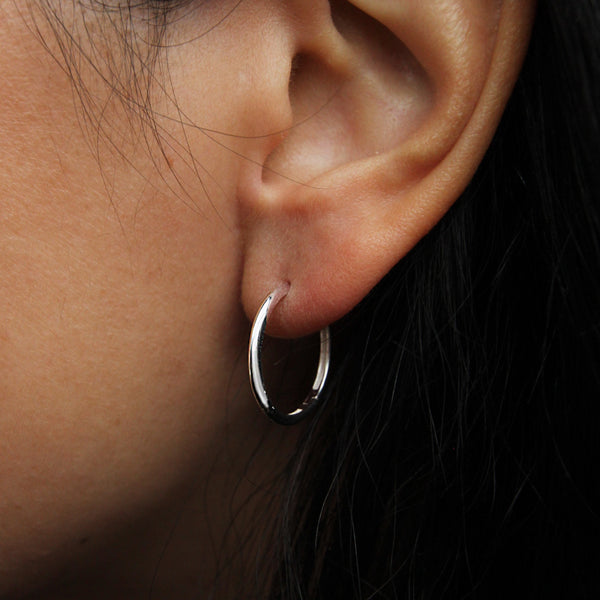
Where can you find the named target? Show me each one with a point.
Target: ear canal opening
(313, 88)
(357, 93)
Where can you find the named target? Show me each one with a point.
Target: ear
(392, 106)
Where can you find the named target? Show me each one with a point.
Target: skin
(122, 403)
(134, 252)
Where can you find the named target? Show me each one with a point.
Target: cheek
(120, 324)
(114, 380)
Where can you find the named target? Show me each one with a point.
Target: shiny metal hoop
(256, 376)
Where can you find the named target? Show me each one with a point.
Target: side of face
(121, 331)
(156, 184)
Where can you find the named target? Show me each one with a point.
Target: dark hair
(456, 457)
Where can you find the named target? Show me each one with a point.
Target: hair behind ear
(460, 464)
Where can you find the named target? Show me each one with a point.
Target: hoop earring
(256, 378)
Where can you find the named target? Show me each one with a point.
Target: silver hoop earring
(256, 377)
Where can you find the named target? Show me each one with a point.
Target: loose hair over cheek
(113, 54)
(116, 56)
(456, 456)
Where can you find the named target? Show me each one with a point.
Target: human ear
(392, 105)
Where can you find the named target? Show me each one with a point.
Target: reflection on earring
(256, 377)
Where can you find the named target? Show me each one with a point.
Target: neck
(203, 541)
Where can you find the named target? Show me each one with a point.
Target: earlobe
(394, 106)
